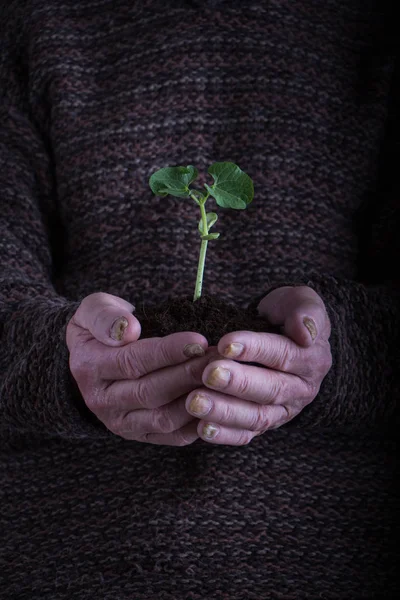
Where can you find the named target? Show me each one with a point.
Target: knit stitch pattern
(94, 97)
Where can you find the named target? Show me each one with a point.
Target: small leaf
(232, 187)
(210, 236)
(211, 220)
(173, 180)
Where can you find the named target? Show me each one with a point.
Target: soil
(210, 316)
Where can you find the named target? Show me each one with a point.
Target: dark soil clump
(210, 316)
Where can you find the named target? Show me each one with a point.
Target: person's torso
(293, 92)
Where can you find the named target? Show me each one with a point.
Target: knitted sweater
(96, 95)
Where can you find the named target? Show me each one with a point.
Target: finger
(107, 318)
(150, 354)
(165, 419)
(255, 384)
(270, 350)
(182, 437)
(217, 434)
(153, 390)
(231, 412)
(300, 311)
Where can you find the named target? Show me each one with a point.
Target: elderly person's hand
(136, 387)
(239, 401)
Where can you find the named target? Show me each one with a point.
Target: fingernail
(193, 350)
(200, 405)
(311, 326)
(118, 328)
(210, 431)
(233, 350)
(218, 377)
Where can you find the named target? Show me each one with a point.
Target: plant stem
(203, 251)
(200, 270)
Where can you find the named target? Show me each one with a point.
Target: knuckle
(286, 357)
(228, 413)
(284, 388)
(142, 393)
(295, 411)
(104, 400)
(243, 385)
(94, 402)
(260, 420)
(289, 413)
(162, 421)
(128, 362)
(245, 438)
(279, 389)
(182, 440)
(162, 350)
(304, 362)
(116, 426)
(257, 349)
(317, 367)
(103, 405)
(312, 390)
(311, 372)
(121, 423)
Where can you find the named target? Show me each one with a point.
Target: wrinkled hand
(240, 401)
(137, 388)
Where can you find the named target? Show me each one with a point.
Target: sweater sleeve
(38, 397)
(363, 385)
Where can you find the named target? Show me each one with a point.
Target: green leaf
(210, 236)
(211, 220)
(232, 187)
(173, 180)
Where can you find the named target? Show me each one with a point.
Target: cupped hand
(239, 401)
(137, 388)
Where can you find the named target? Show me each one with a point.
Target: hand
(137, 388)
(240, 401)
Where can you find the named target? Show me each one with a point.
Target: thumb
(299, 310)
(108, 318)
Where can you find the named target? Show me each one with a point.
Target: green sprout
(232, 188)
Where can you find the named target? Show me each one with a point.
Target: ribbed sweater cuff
(38, 394)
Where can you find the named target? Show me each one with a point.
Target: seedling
(232, 188)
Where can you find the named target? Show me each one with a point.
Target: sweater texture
(95, 96)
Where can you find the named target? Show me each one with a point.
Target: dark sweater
(95, 96)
